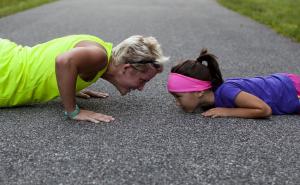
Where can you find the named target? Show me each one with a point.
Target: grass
(8, 7)
(281, 15)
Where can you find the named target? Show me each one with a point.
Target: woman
(64, 66)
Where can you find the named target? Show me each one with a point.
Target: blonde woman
(66, 66)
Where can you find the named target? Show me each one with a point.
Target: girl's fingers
(206, 114)
(209, 114)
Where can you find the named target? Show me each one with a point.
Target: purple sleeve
(225, 95)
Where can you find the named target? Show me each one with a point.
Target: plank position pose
(66, 66)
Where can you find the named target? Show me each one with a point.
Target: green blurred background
(281, 15)
(8, 7)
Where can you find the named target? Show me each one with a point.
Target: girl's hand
(86, 115)
(247, 106)
(216, 112)
(90, 93)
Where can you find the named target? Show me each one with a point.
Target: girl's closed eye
(176, 95)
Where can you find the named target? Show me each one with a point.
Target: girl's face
(188, 101)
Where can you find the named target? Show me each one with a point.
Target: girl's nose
(177, 103)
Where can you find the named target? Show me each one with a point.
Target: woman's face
(132, 79)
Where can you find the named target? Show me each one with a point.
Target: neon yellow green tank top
(27, 74)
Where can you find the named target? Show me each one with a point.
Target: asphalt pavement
(151, 141)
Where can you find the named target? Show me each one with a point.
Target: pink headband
(181, 83)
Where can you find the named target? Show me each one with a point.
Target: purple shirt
(277, 90)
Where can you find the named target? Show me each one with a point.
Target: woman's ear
(125, 67)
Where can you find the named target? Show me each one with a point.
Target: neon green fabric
(27, 74)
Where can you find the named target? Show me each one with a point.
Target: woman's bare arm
(83, 61)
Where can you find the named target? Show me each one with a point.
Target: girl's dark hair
(196, 69)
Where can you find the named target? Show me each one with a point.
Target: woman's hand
(86, 115)
(86, 93)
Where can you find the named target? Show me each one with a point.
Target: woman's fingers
(82, 95)
(102, 117)
(92, 120)
(94, 117)
(95, 94)
(86, 94)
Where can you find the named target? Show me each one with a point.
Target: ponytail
(213, 67)
(198, 70)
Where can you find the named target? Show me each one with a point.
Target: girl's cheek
(178, 102)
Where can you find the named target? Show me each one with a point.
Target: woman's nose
(141, 87)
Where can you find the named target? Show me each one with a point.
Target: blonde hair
(138, 49)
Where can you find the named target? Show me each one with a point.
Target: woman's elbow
(60, 62)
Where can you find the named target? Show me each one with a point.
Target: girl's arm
(248, 106)
(79, 61)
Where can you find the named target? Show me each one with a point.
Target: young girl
(195, 84)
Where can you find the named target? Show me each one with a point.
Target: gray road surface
(151, 141)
